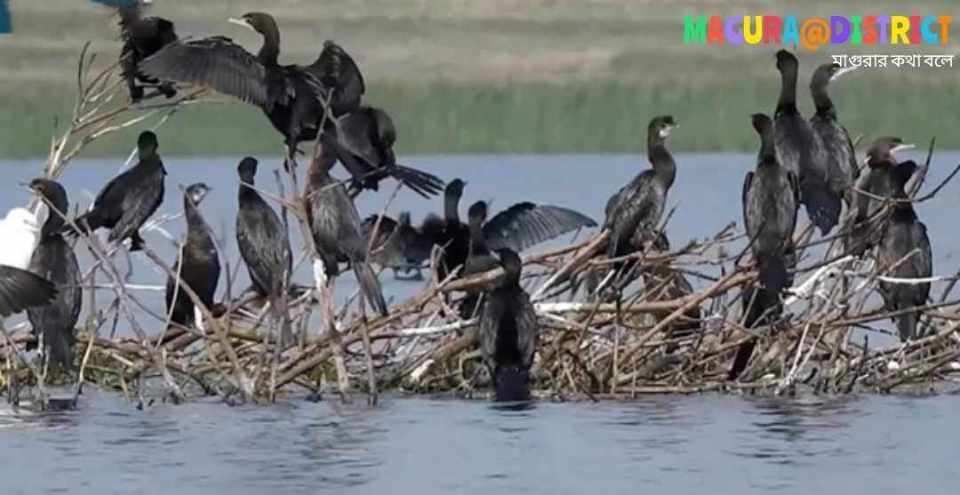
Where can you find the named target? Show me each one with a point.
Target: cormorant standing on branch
(800, 150)
(876, 180)
(336, 227)
(142, 37)
(290, 95)
(841, 159)
(364, 146)
(53, 259)
(508, 332)
(127, 201)
(199, 264)
(20, 289)
(263, 243)
(904, 252)
(455, 235)
(770, 210)
(635, 210)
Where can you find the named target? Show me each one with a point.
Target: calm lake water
(722, 444)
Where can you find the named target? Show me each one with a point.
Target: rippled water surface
(701, 444)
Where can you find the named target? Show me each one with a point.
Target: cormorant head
(786, 62)
(512, 265)
(660, 127)
(883, 151)
(826, 74)
(52, 190)
(761, 122)
(247, 169)
(477, 212)
(257, 21)
(196, 192)
(455, 188)
(147, 143)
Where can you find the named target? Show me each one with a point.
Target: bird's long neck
(822, 101)
(270, 50)
(661, 159)
(451, 206)
(478, 242)
(247, 191)
(54, 224)
(768, 155)
(195, 223)
(788, 91)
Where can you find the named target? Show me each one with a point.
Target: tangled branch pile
(658, 335)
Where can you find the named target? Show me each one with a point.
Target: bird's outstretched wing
(217, 63)
(20, 289)
(526, 224)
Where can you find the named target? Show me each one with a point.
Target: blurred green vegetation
(498, 76)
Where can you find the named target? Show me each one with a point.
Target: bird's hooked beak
(836, 75)
(241, 22)
(901, 147)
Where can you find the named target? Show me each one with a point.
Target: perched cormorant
(290, 95)
(142, 37)
(53, 259)
(635, 210)
(199, 263)
(20, 289)
(877, 180)
(263, 243)
(454, 237)
(800, 150)
(518, 227)
(508, 332)
(904, 252)
(127, 201)
(364, 146)
(770, 210)
(336, 226)
(842, 166)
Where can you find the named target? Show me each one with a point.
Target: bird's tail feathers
(370, 285)
(420, 182)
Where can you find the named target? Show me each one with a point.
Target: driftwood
(591, 346)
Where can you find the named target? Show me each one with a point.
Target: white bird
(19, 288)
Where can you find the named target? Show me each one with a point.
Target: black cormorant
(127, 201)
(841, 159)
(904, 252)
(53, 259)
(800, 150)
(142, 37)
(635, 210)
(876, 179)
(364, 146)
(508, 332)
(518, 227)
(263, 243)
(199, 263)
(290, 95)
(770, 210)
(336, 226)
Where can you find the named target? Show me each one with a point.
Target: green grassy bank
(524, 118)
